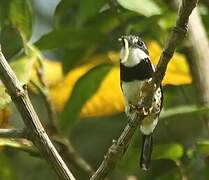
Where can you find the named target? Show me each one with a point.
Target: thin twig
(119, 147)
(45, 94)
(49, 107)
(12, 133)
(66, 146)
(34, 127)
(21, 144)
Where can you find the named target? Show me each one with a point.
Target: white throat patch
(135, 56)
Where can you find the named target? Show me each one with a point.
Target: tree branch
(34, 127)
(179, 32)
(12, 133)
(22, 144)
(119, 147)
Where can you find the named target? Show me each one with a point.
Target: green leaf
(166, 22)
(85, 10)
(84, 88)
(183, 111)
(64, 13)
(22, 68)
(11, 41)
(144, 7)
(168, 151)
(88, 9)
(18, 144)
(71, 38)
(202, 146)
(20, 16)
(73, 57)
(4, 9)
(107, 21)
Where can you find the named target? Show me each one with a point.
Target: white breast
(131, 91)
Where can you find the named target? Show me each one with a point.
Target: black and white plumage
(135, 69)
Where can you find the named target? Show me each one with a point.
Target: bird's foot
(138, 109)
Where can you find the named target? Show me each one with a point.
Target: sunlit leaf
(20, 16)
(22, 68)
(53, 72)
(144, 7)
(167, 22)
(168, 151)
(65, 86)
(84, 88)
(202, 146)
(18, 144)
(112, 99)
(177, 71)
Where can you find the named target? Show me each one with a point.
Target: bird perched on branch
(135, 70)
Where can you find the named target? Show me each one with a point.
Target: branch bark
(34, 127)
(119, 147)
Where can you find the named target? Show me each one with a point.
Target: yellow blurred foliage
(61, 92)
(109, 99)
(53, 71)
(177, 71)
(4, 115)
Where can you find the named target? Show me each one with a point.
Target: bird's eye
(140, 43)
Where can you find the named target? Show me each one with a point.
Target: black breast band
(141, 71)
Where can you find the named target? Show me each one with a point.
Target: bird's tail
(146, 151)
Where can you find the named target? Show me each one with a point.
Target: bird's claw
(145, 111)
(139, 109)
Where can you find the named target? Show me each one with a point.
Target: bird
(136, 68)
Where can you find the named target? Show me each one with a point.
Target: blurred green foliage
(79, 30)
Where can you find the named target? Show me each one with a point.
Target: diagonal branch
(176, 36)
(34, 127)
(119, 147)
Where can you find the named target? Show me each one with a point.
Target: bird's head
(133, 50)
